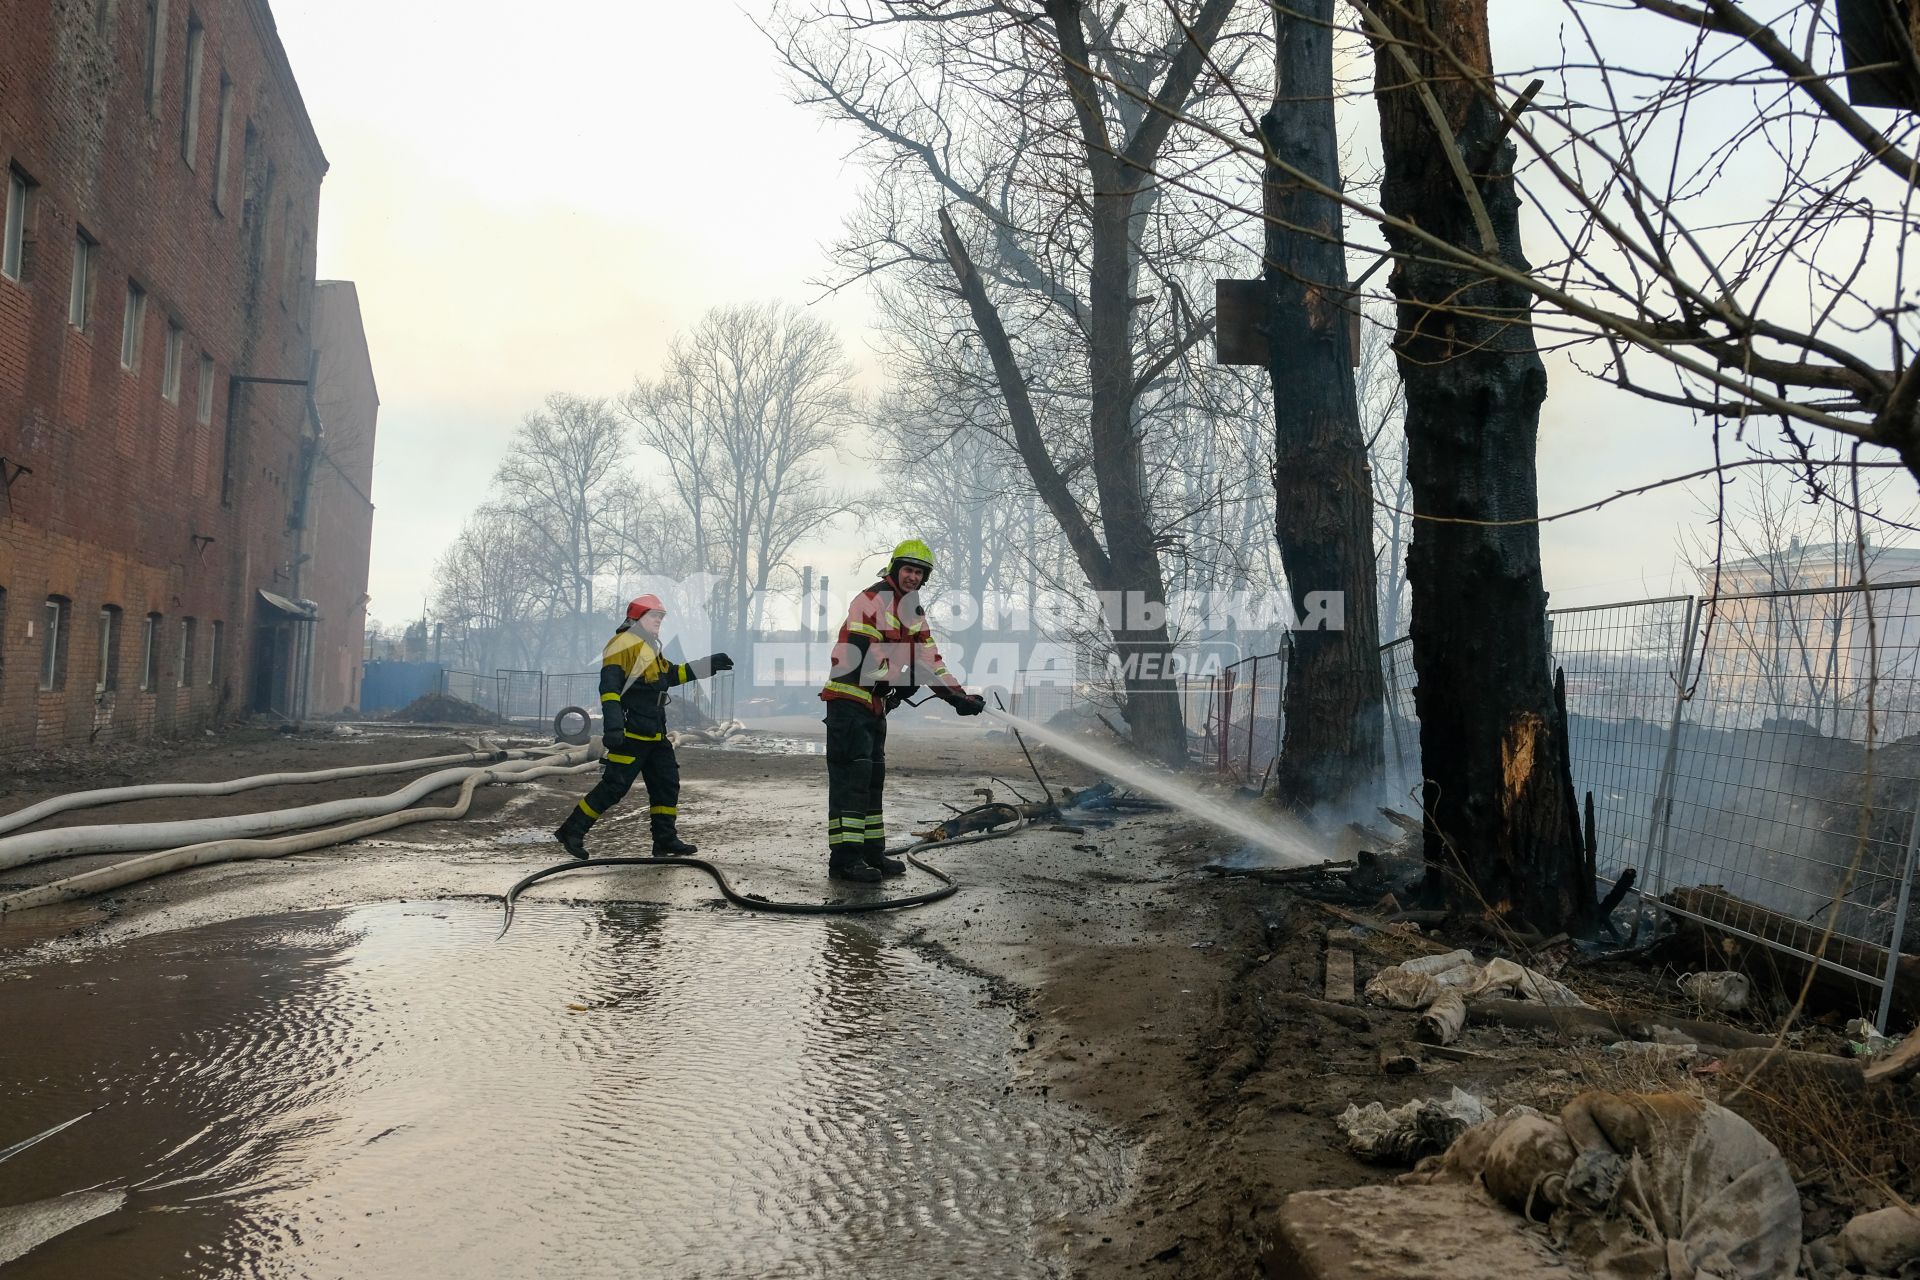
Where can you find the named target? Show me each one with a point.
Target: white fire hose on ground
(389, 812)
(39, 846)
(169, 790)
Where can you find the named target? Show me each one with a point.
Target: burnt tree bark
(1500, 825)
(1330, 753)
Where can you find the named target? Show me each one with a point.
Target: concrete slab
(1447, 1231)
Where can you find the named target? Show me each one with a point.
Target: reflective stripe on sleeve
(609, 697)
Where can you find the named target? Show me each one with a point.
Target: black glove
(701, 668)
(720, 662)
(612, 737)
(969, 704)
(897, 696)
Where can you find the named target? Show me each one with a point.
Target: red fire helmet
(642, 606)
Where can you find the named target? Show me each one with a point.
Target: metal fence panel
(1726, 743)
(1403, 725)
(1624, 667)
(523, 694)
(470, 686)
(1776, 795)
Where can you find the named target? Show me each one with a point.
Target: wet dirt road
(612, 1090)
(1037, 1077)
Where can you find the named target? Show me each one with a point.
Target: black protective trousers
(856, 780)
(653, 761)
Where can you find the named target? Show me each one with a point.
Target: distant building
(339, 512)
(156, 264)
(1792, 637)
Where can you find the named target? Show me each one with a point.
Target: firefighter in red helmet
(634, 679)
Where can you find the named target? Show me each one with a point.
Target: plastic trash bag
(1406, 1133)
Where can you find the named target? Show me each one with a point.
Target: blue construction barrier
(387, 686)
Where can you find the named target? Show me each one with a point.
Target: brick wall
(340, 506)
(132, 499)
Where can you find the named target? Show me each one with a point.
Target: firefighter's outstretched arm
(930, 665)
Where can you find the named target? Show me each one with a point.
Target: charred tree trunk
(1501, 828)
(1323, 509)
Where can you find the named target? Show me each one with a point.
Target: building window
(107, 676)
(187, 627)
(222, 141)
(170, 366)
(13, 250)
(190, 112)
(150, 654)
(203, 411)
(156, 50)
(53, 645)
(248, 196)
(130, 327)
(213, 659)
(80, 291)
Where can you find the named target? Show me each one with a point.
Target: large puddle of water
(610, 1091)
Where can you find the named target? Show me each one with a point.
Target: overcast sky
(536, 198)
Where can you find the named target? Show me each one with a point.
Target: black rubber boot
(876, 857)
(572, 838)
(666, 840)
(852, 866)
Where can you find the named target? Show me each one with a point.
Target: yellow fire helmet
(915, 552)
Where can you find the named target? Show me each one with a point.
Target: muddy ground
(1158, 995)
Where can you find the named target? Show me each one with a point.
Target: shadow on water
(618, 1090)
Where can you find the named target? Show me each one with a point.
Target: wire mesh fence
(1795, 770)
(1246, 715)
(1756, 756)
(1402, 736)
(471, 686)
(1623, 665)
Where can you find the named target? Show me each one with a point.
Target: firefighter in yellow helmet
(884, 652)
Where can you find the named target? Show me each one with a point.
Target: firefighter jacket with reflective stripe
(634, 680)
(885, 643)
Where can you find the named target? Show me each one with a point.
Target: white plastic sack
(1415, 984)
(1405, 1133)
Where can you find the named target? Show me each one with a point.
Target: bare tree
(973, 507)
(1382, 408)
(749, 402)
(486, 594)
(564, 485)
(1330, 751)
(998, 125)
(1500, 810)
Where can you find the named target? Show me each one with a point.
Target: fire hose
(40, 846)
(196, 855)
(1014, 821)
(170, 790)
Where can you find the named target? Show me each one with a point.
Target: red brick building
(162, 192)
(340, 502)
